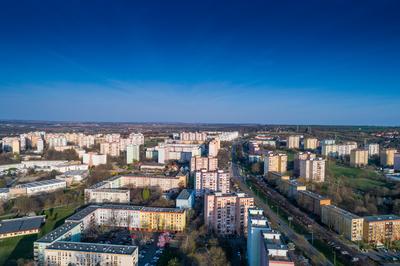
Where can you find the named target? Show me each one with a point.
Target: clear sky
(296, 62)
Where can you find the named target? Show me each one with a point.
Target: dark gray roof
(21, 224)
(185, 194)
(93, 247)
(58, 232)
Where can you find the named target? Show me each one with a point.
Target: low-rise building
(185, 199)
(311, 201)
(381, 229)
(37, 187)
(73, 177)
(343, 222)
(21, 226)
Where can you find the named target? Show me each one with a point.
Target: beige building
(198, 163)
(110, 148)
(381, 228)
(310, 143)
(275, 162)
(311, 201)
(226, 214)
(387, 157)
(107, 195)
(301, 156)
(343, 222)
(211, 181)
(293, 142)
(193, 136)
(64, 253)
(313, 169)
(358, 157)
(213, 147)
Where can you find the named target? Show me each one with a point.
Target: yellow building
(358, 157)
(387, 157)
(275, 162)
(310, 143)
(342, 222)
(381, 228)
(160, 219)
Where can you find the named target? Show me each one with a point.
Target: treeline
(69, 155)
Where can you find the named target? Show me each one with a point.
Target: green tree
(3, 183)
(173, 262)
(146, 194)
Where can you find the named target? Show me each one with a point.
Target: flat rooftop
(4, 190)
(58, 232)
(313, 195)
(342, 212)
(92, 247)
(378, 218)
(40, 183)
(21, 224)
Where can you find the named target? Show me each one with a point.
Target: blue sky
(296, 62)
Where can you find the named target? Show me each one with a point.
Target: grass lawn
(14, 248)
(357, 178)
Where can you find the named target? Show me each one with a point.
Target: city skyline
(226, 62)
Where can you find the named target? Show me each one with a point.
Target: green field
(357, 178)
(12, 249)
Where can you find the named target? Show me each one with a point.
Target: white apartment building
(40, 145)
(211, 181)
(313, 169)
(94, 159)
(213, 147)
(177, 151)
(132, 153)
(293, 142)
(110, 148)
(373, 149)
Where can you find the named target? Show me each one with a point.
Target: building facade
(359, 157)
(226, 214)
(275, 162)
(381, 229)
(198, 163)
(211, 181)
(313, 169)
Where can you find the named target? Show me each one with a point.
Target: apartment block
(359, 157)
(264, 245)
(132, 153)
(329, 150)
(387, 157)
(301, 156)
(21, 226)
(313, 169)
(72, 253)
(380, 229)
(275, 162)
(213, 147)
(226, 214)
(373, 149)
(198, 163)
(311, 201)
(293, 142)
(396, 161)
(310, 143)
(193, 136)
(182, 152)
(290, 188)
(211, 181)
(343, 222)
(94, 159)
(107, 195)
(110, 148)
